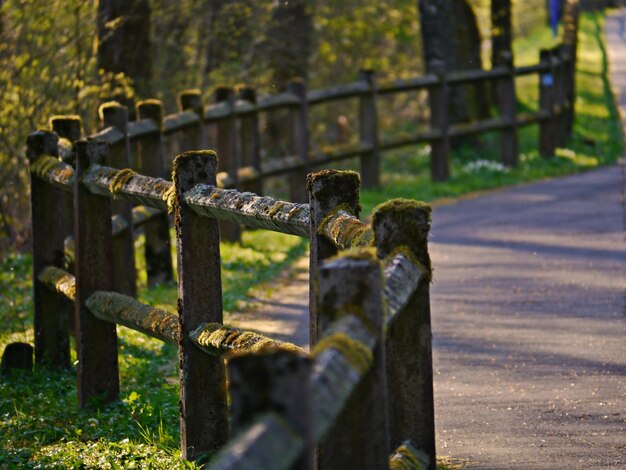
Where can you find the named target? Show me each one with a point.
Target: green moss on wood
(406, 457)
(120, 179)
(118, 308)
(59, 281)
(345, 230)
(42, 165)
(403, 222)
(278, 205)
(358, 355)
(334, 180)
(217, 339)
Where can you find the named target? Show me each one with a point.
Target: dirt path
(528, 320)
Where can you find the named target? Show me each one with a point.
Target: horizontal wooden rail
(402, 140)
(531, 69)
(54, 171)
(110, 135)
(58, 280)
(408, 84)
(345, 230)
(128, 185)
(402, 277)
(142, 128)
(338, 92)
(462, 77)
(179, 121)
(249, 209)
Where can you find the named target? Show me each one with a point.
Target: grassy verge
(39, 424)
(597, 137)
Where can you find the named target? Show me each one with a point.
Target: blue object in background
(554, 16)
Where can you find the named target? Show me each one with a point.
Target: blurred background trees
(67, 56)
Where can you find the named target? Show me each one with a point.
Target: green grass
(597, 136)
(40, 426)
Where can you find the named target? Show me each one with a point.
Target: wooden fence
(374, 346)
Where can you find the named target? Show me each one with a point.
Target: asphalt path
(528, 310)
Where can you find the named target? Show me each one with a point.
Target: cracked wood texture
(359, 435)
(402, 224)
(327, 189)
(96, 340)
(249, 209)
(50, 309)
(203, 420)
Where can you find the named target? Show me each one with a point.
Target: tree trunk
(460, 50)
(124, 43)
(289, 41)
(501, 35)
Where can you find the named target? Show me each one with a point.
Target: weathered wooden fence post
(272, 381)
(229, 156)
(51, 322)
(115, 115)
(508, 103)
(152, 163)
(203, 419)
(329, 190)
(68, 127)
(570, 22)
(570, 72)
(96, 340)
(560, 90)
(250, 139)
(438, 97)
(547, 140)
(299, 141)
(368, 129)
(359, 438)
(193, 137)
(404, 226)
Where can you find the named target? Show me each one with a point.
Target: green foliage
(40, 426)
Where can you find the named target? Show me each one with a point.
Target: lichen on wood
(248, 209)
(124, 310)
(403, 222)
(217, 339)
(344, 229)
(407, 457)
(356, 353)
(127, 185)
(121, 178)
(58, 280)
(53, 170)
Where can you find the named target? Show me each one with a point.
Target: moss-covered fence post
(96, 340)
(227, 149)
(68, 127)
(368, 128)
(403, 225)
(115, 115)
(250, 139)
(151, 156)
(193, 137)
(359, 437)
(547, 139)
(507, 103)
(299, 141)
(438, 99)
(203, 418)
(329, 190)
(272, 381)
(51, 330)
